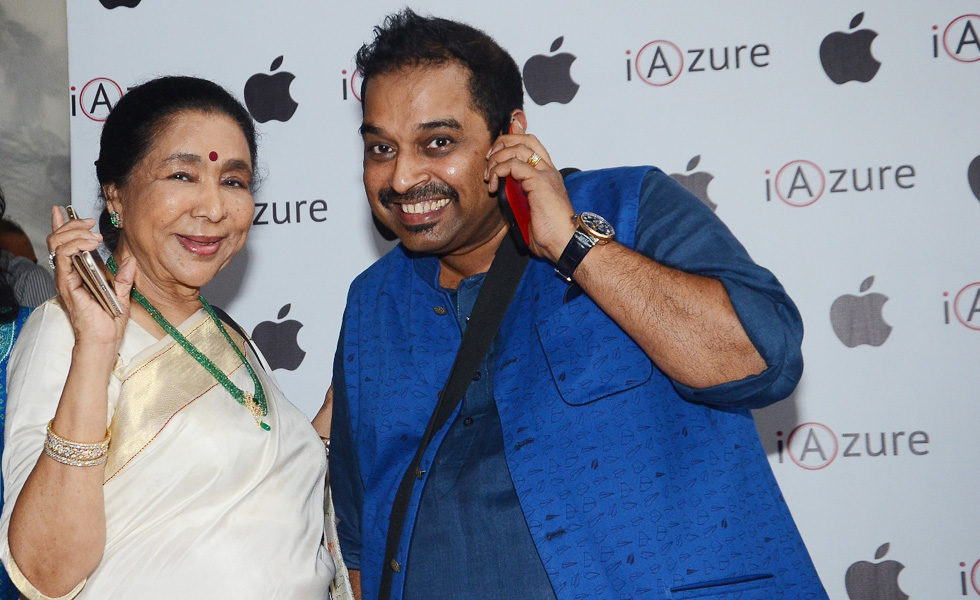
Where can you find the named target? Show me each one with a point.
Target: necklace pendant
(253, 406)
(255, 409)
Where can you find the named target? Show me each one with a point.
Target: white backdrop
(859, 188)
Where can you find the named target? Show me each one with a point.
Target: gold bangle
(76, 454)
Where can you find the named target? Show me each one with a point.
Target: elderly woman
(150, 455)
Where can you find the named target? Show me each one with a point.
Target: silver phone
(96, 276)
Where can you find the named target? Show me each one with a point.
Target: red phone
(513, 202)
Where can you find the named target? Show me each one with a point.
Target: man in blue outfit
(604, 448)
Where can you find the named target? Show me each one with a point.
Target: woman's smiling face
(186, 208)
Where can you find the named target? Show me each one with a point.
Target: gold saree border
(163, 385)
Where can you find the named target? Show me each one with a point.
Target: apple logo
(267, 96)
(875, 581)
(973, 176)
(110, 4)
(847, 56)
(857, 319)
(696, 183)
(549, 78)
(278, 341)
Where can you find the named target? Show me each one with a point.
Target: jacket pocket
(746, 587)
(588, 354)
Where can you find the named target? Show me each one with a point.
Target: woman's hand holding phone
(97, 304)
(96, 276)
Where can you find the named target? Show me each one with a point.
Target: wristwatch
(592, 230)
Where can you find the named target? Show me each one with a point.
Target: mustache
(389, 196)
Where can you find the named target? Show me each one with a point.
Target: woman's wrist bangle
(326, 444)
(76, 454)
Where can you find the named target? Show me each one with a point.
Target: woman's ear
(111, 194)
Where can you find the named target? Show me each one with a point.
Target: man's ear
(519, 116)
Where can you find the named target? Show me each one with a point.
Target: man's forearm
(685, 323)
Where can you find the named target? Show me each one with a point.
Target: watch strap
(574, 253)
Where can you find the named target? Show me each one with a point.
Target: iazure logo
(811, 446)
(815, 446)
(802, 182)
(965, 307)
(661, 62)
(279, 212)
(267, 96)
(858, 320)
(960, 39)
(278, 341)
(96, 99)
(549, 78)
(847, 56)
(351, 84)
(970, 579)
(696, 182)
(875, 581)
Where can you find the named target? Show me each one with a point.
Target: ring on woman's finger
(534, 159)
(51, 258)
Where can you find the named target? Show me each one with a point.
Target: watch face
(597, 226)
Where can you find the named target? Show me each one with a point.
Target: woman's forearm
(57, 526)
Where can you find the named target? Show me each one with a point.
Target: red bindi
(213, 156)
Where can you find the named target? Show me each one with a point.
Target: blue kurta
(469, 503)
(632, 485)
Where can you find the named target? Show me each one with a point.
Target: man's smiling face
(425, 148)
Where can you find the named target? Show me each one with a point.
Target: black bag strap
(226, 318)
(488, 313)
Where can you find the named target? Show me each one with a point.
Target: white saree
(200, 501)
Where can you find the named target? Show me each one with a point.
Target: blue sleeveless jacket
(629, 490)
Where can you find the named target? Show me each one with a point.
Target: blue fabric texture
(455, 551)
(8, 334)
(631, 485)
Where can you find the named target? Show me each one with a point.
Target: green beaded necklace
(256, 404)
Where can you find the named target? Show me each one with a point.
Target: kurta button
(440, 310)
(468, 421)
(397, 568)
(478, 376)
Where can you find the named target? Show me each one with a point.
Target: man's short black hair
(406, 39)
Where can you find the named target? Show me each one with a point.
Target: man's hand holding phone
(521, 173)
